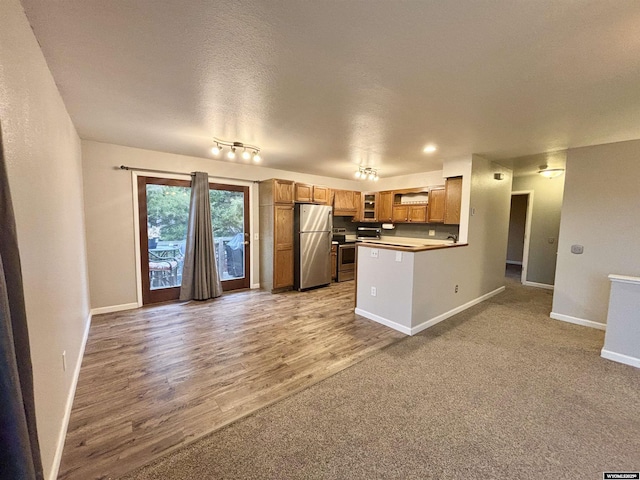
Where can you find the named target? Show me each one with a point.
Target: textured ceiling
(322, 86)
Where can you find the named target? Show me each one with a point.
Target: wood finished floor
(156, 378)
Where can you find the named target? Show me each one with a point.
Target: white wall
(45, 178)
(109, 206)
(545, 225)
(601, 211)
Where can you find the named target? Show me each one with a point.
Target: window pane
(167, 218)
(227, 218)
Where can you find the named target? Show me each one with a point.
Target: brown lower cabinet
(283, 247)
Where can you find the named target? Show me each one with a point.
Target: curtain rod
(152, 170)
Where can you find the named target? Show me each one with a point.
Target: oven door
(346, 262)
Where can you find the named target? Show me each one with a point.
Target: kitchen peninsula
(410, 287)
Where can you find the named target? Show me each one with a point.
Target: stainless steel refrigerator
(312, 247)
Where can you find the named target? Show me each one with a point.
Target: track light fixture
(248, 151)
(367, 173)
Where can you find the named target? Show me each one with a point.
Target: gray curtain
(200, 279)
(19, 448)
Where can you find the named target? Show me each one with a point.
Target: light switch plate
(398, 256)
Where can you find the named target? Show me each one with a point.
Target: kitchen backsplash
(414, 230)
(411, 230)
(346, 223)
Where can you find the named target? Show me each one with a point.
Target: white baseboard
(255, 286)
(384, 321)
(428, 323)
(578, 321)
(538, 285)
(620, 358)
(114, 308)
(513, 262)
(454, 311)
(57, 458)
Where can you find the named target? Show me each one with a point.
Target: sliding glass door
(164, 213)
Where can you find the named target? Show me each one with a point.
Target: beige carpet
(498, 391)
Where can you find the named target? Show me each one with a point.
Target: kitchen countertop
(410, 244)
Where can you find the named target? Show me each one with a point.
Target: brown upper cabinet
(436, 205)
(369, 207)
(385, 206)
(409, 214)
(305, 193)
(410, 205)
(321, 194)
(282, 190)
(453, 200)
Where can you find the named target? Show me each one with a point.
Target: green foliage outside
(168, 212)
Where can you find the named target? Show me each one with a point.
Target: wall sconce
(547, 172)
(367, 173)
(248, 151)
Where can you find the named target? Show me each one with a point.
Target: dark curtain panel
(19, 448)
(200, 279)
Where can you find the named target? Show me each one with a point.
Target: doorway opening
(519, 234)
(163, 217)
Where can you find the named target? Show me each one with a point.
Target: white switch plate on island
(398, 256)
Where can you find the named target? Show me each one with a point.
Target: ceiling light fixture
(367, 173)
(430, 148)
(248, 151)
(547, 172)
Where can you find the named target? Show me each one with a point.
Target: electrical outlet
(432, 233)
(374, 253)
(577, 249)
(398, 256)
(374, 291)
(456, 289)
(64, 361)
